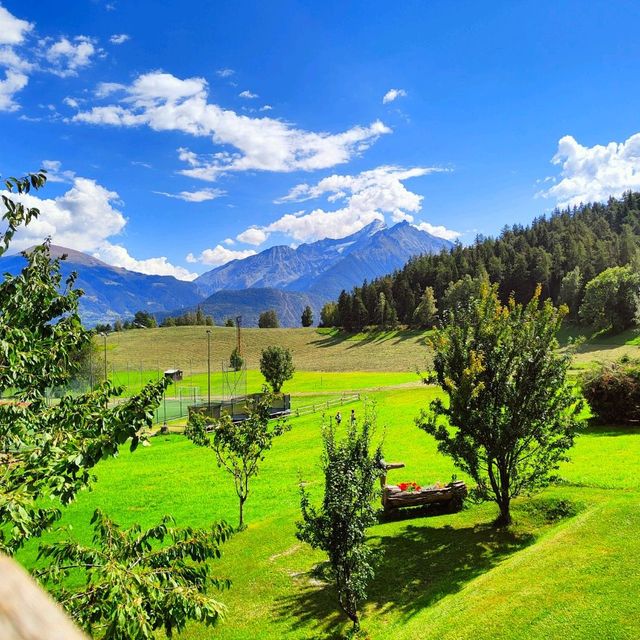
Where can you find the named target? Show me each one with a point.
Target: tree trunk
(241, 523)
(504, 519)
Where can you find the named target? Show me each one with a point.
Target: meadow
(564, 569)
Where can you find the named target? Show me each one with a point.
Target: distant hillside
(250, 303)
(327, 266)
(112, 292)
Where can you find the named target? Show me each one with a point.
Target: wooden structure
(450, 495)
(27, 612)
(175, 375)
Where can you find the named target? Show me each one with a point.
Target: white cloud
(247, 94)
(105, 89)
(219, 255)
(225, 73)
(266, 107)
(368, 196)
(393, 94)
(119, 38)
(82, 218)
(166, 103)
(55, 173)
(68, 56)
(229, 241)
(438, 231)
(12, 30)
(194, 196)
(595, 173)
(71, 102)
(12, 83)
(252, 235)
(118, 256)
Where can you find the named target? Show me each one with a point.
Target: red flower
(409, 486)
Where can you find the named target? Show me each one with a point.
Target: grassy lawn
(302, 383)
(140, 354)
(313, 349)
(450, 576)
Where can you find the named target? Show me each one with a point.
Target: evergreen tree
(307, 317)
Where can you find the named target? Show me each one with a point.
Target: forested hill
(573, 244)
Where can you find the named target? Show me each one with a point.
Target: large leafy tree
(276, 365)
(339, 525)
(239, 448)
(511, 414)
(137, 581)
(610, 299)
(48, 450)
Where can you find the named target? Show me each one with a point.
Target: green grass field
(143, 353)
(444, 577)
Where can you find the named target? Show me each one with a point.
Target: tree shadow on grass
(611, 430)
(418, 566)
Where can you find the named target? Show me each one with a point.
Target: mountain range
(280, 277)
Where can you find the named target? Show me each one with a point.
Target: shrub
(613, 391)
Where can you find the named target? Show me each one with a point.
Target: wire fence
(325, 404)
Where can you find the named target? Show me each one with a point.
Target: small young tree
(144, 319)
(276, 365)
(339, 526)
(236, 361)
(229, 322)
(239, 448)
(160, 575)
(426, 313)
(307, 317)
(268, 320)
(511, 415)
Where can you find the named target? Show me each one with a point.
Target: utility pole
(104, 335)
(208, 370)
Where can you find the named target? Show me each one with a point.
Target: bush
(613, 392)
(268, 320)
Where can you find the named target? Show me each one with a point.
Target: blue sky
(181, 135)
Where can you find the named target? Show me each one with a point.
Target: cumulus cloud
(55, 172)
(119, 38)
(164, 102)
(81, 218)
(365, 197)
(595, 173)
(393, 94)
(248, 94)
(118, 256)
(84, 218)
(219, 255)
(266, 107)
(12, 30)
(63, 57)
(12, 83)
(439, 231)
(68, 56)
(229, 241)
(253, 236)
(201, 195)
(225, 73)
